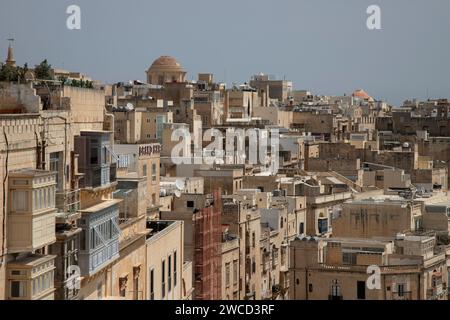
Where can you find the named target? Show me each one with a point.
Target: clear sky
(321, 45)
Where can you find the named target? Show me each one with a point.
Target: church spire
(10, 58)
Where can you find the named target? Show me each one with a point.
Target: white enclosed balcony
(31, 278)
(31, 210)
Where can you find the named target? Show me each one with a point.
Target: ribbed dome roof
(166, 61)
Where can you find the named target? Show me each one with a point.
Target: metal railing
(97, 176)
(402, 295)
(68, 201)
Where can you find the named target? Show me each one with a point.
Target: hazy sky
(323, 46)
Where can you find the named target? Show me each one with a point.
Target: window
(163, 278)
(153, 172)
(361, 290)
(152, 284)
(20, 200)
(235, 272)
(82, 241)
(35, 200)
(349, 258)
(169, 273)
(94, 155)
(323, 225)
(35, 286)
(123, 291)
(302, 228)
(174, 269)
(190, 204)
(310, 287)
(144, 170)
(92, 239)
(55, 166)
(400, 290)
(18, 289)
(45, 199)
(335, 289)
(253, 240)
(227, 274)
(99, 291)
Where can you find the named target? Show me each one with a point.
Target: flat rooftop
(100, 206)
(381, 200)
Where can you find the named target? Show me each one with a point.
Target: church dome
(166, 62)
(165, 69)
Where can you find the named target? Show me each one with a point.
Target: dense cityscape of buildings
(96, 206)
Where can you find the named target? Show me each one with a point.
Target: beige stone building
(60, 167)
(141, 161)
(209, 100)
(230, 180)
(239, 102)
(165, 262)
(244, 220)
(343, 269)
(230, 265)
(324, 197)
(276, 116)
(201, 215)
(436, 217)
(43, 139)
(141, 125)
(382, 216)
(280, 90)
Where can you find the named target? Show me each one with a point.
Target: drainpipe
(307, 283)
(5, 178)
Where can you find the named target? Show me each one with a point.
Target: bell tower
(10, 58)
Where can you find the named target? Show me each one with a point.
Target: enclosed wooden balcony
(31, 212)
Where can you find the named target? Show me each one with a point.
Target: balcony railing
(68, 201)
(436, 293)
(405, 295)
(97, 176)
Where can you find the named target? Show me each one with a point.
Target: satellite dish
(179, 183)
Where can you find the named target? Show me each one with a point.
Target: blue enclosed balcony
(95, 160)
(99, 243)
